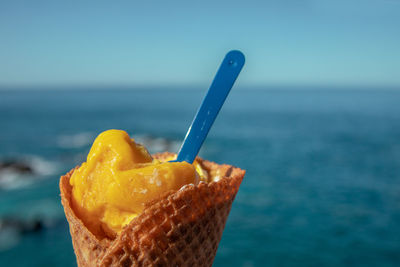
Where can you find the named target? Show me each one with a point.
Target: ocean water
(323, 169)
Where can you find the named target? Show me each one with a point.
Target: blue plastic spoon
(212, 103)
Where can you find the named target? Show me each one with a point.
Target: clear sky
(286, 42)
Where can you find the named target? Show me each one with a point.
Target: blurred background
(314, 118)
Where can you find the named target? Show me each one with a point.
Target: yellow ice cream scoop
(119, 178)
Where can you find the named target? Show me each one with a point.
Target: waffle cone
(181, 228)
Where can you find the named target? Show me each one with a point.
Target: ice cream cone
(181, 228)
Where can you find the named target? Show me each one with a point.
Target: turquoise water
(323, 169)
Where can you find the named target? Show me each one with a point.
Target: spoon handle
(212, 103)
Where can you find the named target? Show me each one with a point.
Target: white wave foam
(156, 144)
(153, 144)
(41, 166)
(75, 140)
(12, 177)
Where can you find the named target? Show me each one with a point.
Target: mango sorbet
(119, 178)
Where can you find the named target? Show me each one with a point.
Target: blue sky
(179, 43)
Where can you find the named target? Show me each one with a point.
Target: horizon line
(116, 86)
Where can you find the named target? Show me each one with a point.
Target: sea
(322, 186)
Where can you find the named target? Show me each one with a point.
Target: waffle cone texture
(181, 228)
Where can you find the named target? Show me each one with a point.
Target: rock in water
(16, 166)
